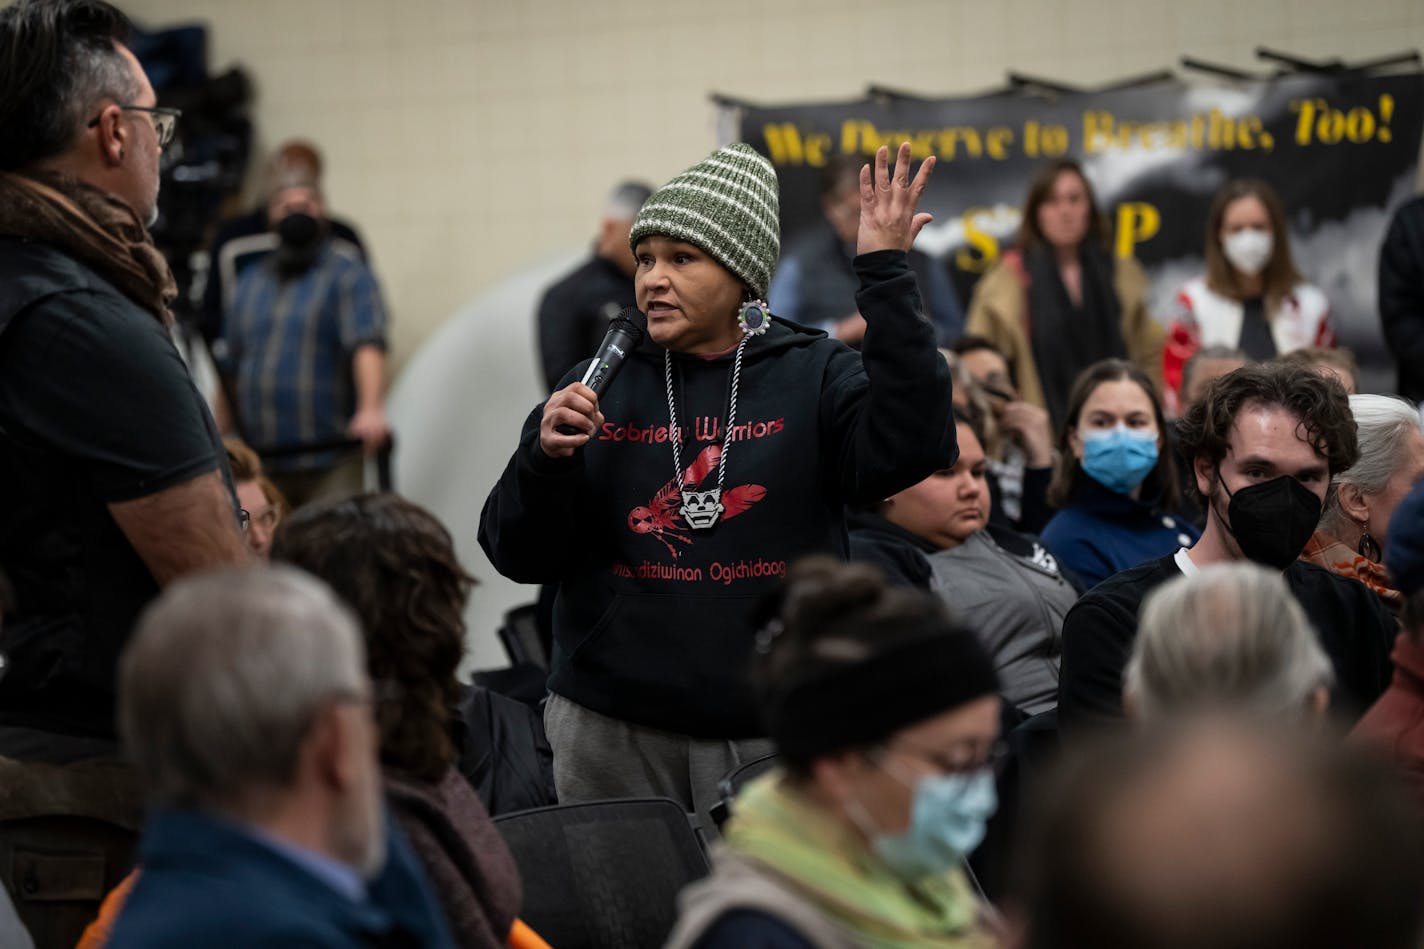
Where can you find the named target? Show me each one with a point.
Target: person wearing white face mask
(1252, 297)
(886, 720)
(1114, 483)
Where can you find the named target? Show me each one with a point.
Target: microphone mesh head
(633, 319)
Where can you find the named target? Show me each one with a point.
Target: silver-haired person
(1226, 637)
(1362, 498)
(245, 704)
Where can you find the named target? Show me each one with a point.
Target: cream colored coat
(998, 311)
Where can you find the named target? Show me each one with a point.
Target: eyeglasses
(966, 759)
(165, 120)
(266, 518)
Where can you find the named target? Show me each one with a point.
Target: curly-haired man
(1262, 444)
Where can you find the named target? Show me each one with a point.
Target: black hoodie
(650, 625)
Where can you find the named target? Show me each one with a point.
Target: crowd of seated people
(1153, 582)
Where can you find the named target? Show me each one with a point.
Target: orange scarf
(1325, 551)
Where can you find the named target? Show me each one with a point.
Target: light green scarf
(780, 828)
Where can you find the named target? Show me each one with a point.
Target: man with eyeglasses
(112, 472)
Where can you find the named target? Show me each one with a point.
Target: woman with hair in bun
(1251, 298)
(886, 718)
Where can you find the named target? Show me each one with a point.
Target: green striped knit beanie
(728, 205)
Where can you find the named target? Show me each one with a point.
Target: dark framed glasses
(165, 120)
(966, 759)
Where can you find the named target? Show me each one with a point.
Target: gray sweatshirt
(1016, 604)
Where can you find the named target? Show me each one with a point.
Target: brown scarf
(94, 227)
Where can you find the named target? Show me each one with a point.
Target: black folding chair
(733, 781)
(520, 636)
(606, 874)
(1033, 746)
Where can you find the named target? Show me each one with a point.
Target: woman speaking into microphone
(727, 447)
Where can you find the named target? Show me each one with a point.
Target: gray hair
(1230, 635)
(626, 200)
(224, 678)
(58, 60)
(98, 74)
(1384, 423)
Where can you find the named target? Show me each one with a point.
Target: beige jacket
(998, 311)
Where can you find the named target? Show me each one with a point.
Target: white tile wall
(468, 137)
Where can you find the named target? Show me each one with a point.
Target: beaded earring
(754, 317)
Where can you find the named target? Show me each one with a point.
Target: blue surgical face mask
(948, 818)
(1119, 458)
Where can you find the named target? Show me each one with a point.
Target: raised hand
(888, 220)
(1031, 428)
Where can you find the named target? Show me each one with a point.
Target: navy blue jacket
(205, 882)
(1102, 533)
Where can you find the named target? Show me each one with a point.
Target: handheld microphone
(624, 335)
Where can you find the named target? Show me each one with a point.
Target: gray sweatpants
(597, 757)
